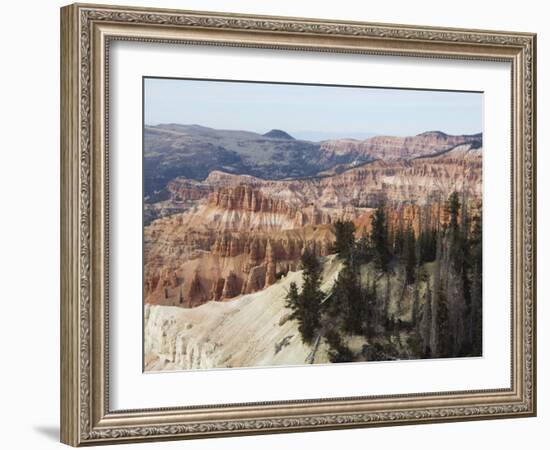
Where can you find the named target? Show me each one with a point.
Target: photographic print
(293, 224)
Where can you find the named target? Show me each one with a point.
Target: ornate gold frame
(86, 31)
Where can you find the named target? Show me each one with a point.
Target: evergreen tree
(452, 209)
(348, 293)
(477, 279)
(311, 266)
(434, 334)
(344, 232)
(458, 282)
(379, 238)
(364, 252)
(338, 352)
(399, 241)
(465, 268)
(410, 256)
(427, 244)
(372, 310)
(293, 300)
(416, 305)
(426, 328)
(387, 297)
(305, 305)
(442, 330)
(457, 235)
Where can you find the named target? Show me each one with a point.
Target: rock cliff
(238, 234)
(250, 331)
(392, 147)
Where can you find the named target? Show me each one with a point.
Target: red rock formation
(183, 190)
(196, 294)
(217, 289)
(271, 270)
(392, 147)
(255, 280)
(320, 200)
(246, 198)
(242, 230)
(231, 287)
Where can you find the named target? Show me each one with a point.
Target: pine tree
(311, 294)
(311, 266)
(465, 268)
(416, 305)
(477, 280)
(347, 292)
(344, 232)
(442, 330)
(410, 256)
(379, 238)
(293, 300)
(306, 305)
(452, 209)
(427, 244)
(434, 334)
(364, 252)
(426, 328)
(338, 352)
(374, 310)
(458, 281)
(387, 298)
(399, 241)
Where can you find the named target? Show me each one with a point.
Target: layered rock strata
(239, 234)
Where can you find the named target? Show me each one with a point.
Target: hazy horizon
(308, 135)
(311, 112)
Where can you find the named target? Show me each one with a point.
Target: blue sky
(311, 112)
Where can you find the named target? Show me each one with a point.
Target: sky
(314, 112)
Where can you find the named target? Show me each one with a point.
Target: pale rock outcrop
(248, 331)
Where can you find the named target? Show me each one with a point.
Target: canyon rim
(265, 243)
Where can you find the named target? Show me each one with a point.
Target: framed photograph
(275, 224)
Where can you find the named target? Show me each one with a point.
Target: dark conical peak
(434, 134)
(278, 134)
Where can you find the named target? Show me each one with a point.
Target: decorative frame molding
(86, 31)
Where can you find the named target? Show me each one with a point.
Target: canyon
(235, 227)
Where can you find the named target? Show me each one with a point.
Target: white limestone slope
(251, 330)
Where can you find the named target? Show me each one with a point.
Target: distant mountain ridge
(194, 151)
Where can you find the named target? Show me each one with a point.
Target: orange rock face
(239, 234)
(392, 147)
